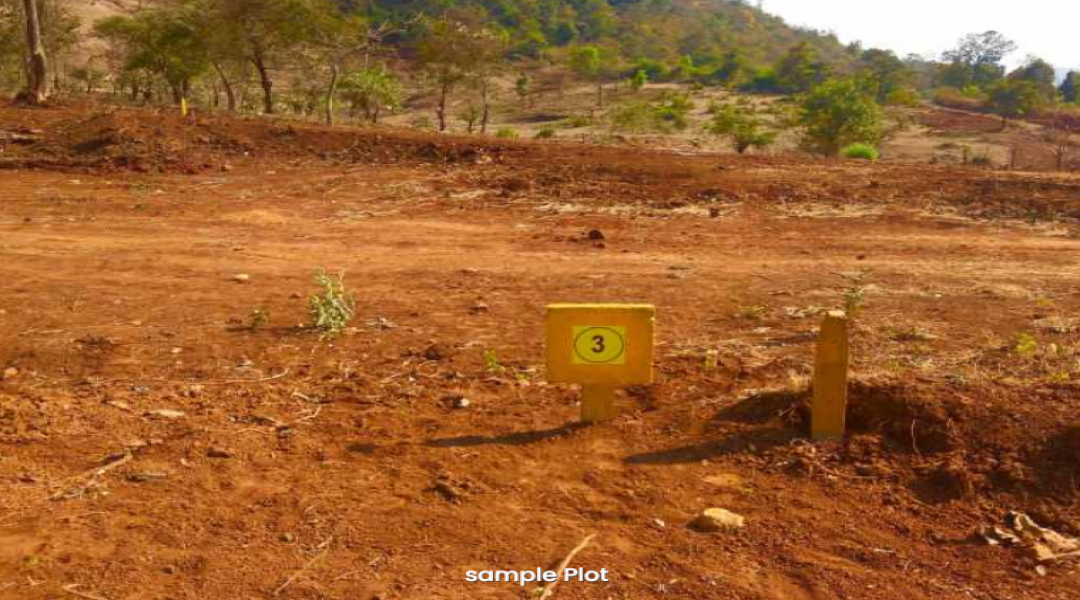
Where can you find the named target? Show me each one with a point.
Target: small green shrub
(332, 309)
(576, 121)
(743, 126)
(855, 294)
(506, 133)
(259, 317)
(545, 134)
(669, 113)
(492, 364)
(423, 123)
(860, 152)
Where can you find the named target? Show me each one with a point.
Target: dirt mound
(116, 140)
(165, 141)
(943, 442)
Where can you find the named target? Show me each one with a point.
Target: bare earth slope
(157, 442)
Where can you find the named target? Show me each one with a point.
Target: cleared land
(292, 467)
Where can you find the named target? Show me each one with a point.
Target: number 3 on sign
(599, 345)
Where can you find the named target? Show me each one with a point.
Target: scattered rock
(10, 373)
(435, 351)
(287, 537)
(452, 489)
(1042, 544)
(718, 519)
(241, 278)
(596, 235)
(479, 307)
(146, 477)
(119, 404)
(219, 452)
(727, 481)
(165, 413)
(380, 324)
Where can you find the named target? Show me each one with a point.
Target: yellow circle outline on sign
(613, 332)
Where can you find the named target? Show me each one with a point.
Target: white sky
(1049, 29)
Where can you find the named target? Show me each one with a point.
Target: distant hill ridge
(656, 29)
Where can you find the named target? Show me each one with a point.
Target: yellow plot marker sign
(601, 347)
(828, 409)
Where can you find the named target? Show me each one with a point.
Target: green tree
(523, 87)
(370, 91)
(800, 69)
(593, 63)
(165, 42)
(1014, 99)
(1070, 88)
(735, 71)
(89, 77)
(336, 42)
(888, 72)
(743, 126)
(264, 33)
(453, 49)
(841, 112)
(1040, 73)
(977, 60)
(638, 80)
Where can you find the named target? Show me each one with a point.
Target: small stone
(596, 235)
(145, 477)
(119, 404)
(165, 413)
(718, 519)
(241, 278)
(170, 570)
(10, 373)
(435, 351)
(287, 537)
(659, 523)
(219, 452)
(456, 400)
(479, 307)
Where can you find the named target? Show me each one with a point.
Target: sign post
(828, 409)
(601, 347)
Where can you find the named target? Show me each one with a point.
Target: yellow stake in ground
(828, 408)
(601, 347)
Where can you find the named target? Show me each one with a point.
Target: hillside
(667, 30)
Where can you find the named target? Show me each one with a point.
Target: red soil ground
(340, 469)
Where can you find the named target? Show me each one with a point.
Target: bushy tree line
(974, 74)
